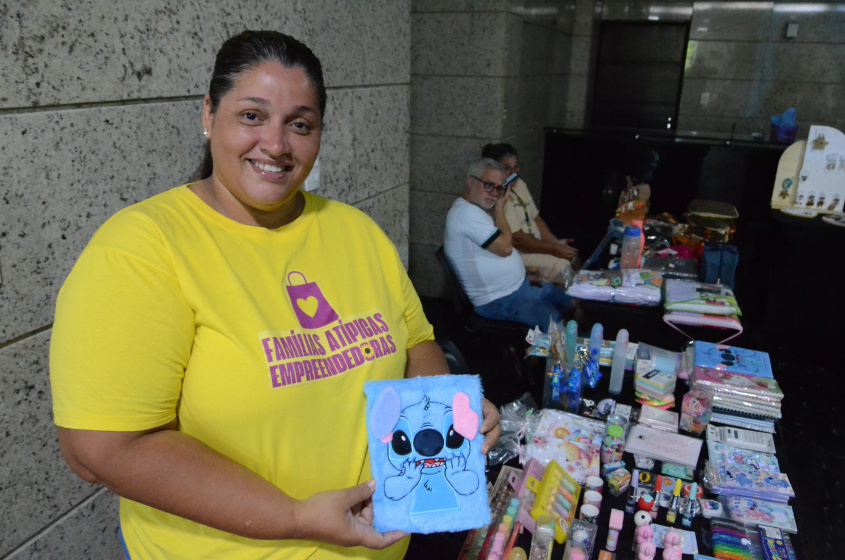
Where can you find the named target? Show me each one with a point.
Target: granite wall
(482, 71)
(740, 57)
(741, 67)
(99, 108)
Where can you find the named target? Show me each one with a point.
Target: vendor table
(447, 546)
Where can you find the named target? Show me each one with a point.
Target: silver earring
(205, 132)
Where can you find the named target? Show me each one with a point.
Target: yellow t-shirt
(258, 340)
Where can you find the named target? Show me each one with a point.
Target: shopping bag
(310, 305)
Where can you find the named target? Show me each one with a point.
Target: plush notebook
(425, 454)
(732, 358)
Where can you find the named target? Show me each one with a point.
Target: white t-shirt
(484, 275)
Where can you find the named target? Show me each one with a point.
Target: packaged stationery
(749, 511)
(734, 471)
(732, 358)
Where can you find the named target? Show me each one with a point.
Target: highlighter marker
(672, 512)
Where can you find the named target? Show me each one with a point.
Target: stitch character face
(430, 441)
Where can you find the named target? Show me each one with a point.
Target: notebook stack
(701, 305)
(653, 387)
(744, 391)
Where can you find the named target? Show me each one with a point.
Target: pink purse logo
(310, 305)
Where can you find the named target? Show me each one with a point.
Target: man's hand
(490, 425)
(564, 250)
(499, 207)
(343, 517)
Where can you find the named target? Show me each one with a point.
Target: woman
(541, 251)
(211, 343)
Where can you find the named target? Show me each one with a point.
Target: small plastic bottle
(596, 339)
(617, 368)
(630, 248)
(571, 342)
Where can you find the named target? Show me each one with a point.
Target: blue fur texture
(429, 474)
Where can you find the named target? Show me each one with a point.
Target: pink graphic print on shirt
(310, 305)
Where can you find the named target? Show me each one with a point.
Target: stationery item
(663, 446)
(732, 358)
(556, 497)
(541, 543)
(664, 487)
(658, 418)
(689, 541)
(571, 440)
(659, 358)
(617, 518)
(696, 297)
(760, 425)
(674, 503)
(613, 443)
(745, 439)
(425, 454)
(750, 387)
(749, 511)
(596, 339)
(593, 498)
(775, 544)
(732, 540)
(711, 508)
(734, 471)
(571, 336)
(581, 539)
(617, 368)
(589, 513)
(696, 408)
(608, 468)
(595, 483)
(678, 319)
(677, 471)
(618, 481)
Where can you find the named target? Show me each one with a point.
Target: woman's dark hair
(498, 151)
(247, 50)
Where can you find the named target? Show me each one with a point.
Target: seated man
(478, 243)
(538, 247)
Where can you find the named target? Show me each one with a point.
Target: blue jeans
(532, 305)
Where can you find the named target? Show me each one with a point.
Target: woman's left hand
(489, 425)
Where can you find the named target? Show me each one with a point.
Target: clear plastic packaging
(541, 542)
(580, 540)
(516, 419)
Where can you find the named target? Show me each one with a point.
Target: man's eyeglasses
(490, 187)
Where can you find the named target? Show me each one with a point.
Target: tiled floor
(811, 436)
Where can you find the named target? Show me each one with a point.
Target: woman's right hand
(343, 517)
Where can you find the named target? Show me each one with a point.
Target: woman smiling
(204, 358)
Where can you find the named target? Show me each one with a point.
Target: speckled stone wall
(739, 56)
(99, 108)
(482, 71)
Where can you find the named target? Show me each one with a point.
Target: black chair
(495, 349)
(472, 321)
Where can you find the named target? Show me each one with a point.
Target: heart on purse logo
(308, 305)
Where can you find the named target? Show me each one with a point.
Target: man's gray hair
(478, 167)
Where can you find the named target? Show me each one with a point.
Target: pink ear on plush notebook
(465, 418)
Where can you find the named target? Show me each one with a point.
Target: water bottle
(617, 368)
(630, 248)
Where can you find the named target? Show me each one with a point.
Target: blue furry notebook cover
(425, 454)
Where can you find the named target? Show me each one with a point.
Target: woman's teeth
(268, 167)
